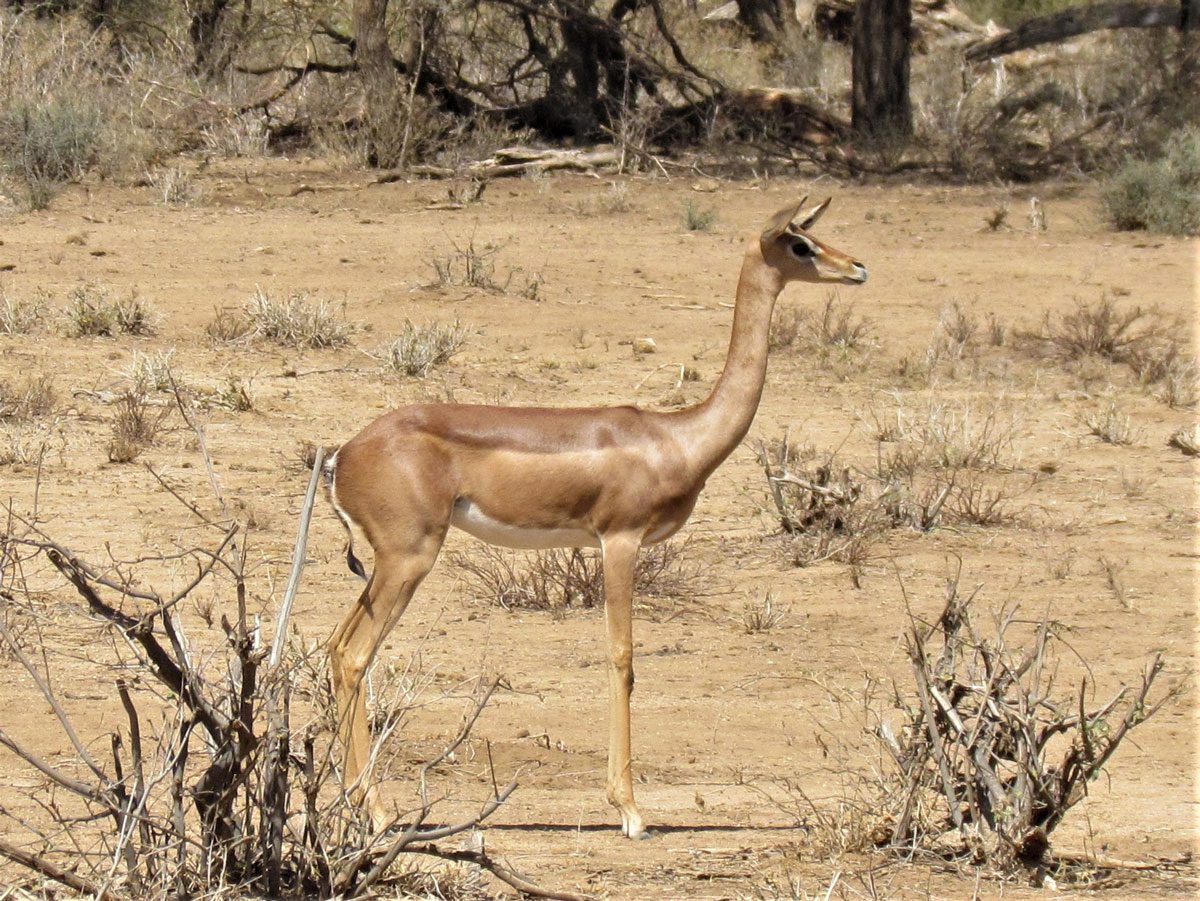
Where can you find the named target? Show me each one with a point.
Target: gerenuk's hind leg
(354, 645)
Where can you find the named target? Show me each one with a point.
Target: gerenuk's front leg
(620, 555)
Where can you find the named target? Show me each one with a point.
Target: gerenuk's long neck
(716, 426)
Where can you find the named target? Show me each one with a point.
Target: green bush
(1161, 195)
(45, 144)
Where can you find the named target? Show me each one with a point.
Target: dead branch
(39, 864)
(1079, 20)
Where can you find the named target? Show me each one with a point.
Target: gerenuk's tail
(329, 470)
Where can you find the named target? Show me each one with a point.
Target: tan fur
(624, 476)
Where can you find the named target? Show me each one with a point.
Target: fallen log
(1080, 20)
(514, 161)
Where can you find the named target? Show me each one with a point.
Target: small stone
(644, 346)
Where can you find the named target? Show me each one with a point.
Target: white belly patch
(468, 517)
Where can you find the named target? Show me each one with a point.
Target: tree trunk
(880, 48)
(763, 18)
(204, 29)
(376, 73)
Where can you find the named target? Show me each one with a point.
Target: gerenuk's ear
(779, 223)
(809, 219)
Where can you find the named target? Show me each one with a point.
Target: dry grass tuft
(296, 321)
(1100, 329)
(422, 347)
(152, 372)
(764, 616)
(174, 186)
(1111, 426)
(91, 312)
(28, 399)
(21, 315)
(564, 579)
(697, 218)
(229, 326)
(136, 423)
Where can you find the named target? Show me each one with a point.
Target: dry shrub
(91, 311)
(27, 399)
(213, 783)
(563, 579)
(21, 315)
(944, 435)
(822, 508)
(229, 325)
(152, 372)
(471, 266)
(296, 321)
(1160, 195)
(763, 617)
(697, 218)
(71, 104)
(422, 347)
(1138, 338)
(788, 326)
(234, 395)
(936, 466)
(45, 144)
(28, 443)
(835, 333)
(1110, 425)
(986, 761)
(1100, 329)
(174, 186)
(135, 425)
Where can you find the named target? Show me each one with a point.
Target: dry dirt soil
(746, 746)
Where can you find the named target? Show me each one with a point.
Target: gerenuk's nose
(860, 273)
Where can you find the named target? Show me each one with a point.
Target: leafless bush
(30, 398)
(296, 321)
(211, 789)
(135, 425)
(470, 266)
(1165, 366)
(973, 768)
(422, 347)
(948, 436)
(563, 579)
(822, 508)
(29, 443)
(975, 502)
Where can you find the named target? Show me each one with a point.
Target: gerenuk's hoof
(641, 836)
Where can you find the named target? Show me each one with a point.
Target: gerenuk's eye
(802, 249)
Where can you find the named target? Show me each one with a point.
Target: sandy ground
(724, 721)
